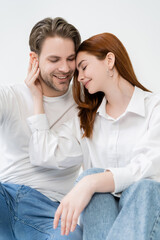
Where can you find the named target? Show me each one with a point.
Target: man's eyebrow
(53, 56)
(57, 57)
(72, 55)
(79, 64)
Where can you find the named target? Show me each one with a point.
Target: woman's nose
(80, 77)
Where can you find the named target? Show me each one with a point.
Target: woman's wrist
(100, 182)
(90, 183)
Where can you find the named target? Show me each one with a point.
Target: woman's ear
(33, 56)
(110, 60)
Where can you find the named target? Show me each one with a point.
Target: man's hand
(32, 80)
(35, 87)
(72, 205)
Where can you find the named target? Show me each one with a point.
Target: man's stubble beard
(50, 83)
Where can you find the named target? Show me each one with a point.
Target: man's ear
(110, 60)
(33, 56)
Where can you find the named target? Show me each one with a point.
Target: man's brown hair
(49, 27)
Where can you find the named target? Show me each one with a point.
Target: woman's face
(92, 72)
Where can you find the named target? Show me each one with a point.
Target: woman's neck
(118, 96)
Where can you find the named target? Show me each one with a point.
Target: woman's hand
(32, 80)
(73, 204)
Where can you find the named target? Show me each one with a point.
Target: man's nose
(64, 67)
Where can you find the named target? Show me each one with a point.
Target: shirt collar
(102, 108)
(136, 104)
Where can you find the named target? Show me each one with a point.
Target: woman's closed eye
(84, 67)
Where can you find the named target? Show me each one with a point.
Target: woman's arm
(79, 197)
(145, 160)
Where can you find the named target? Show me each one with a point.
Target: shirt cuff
(38, 122)
(122, 178)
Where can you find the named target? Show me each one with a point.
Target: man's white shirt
(16, 106)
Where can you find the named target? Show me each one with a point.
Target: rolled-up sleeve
(56, 150)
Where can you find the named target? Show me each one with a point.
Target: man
(30, 195)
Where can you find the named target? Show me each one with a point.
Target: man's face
(57, 64)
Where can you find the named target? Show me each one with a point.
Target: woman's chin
(91, 91)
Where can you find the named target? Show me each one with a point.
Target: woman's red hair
(99, 45)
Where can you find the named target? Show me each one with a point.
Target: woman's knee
(146, 185)
(101, 202)
(89, 172)
(103, 208)
(143, 189)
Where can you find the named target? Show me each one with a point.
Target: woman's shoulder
(152, 104)
(152, 98)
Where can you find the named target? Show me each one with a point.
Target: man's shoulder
(13, 87)
(16, 94)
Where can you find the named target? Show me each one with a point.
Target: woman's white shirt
(128, 146)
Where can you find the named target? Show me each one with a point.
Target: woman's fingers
(74, 220)
(69, 220)
(71, 207)
(63, 220)
(68, 217)
(57, 216)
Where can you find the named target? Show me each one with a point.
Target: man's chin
(60, 88)
(63, 88)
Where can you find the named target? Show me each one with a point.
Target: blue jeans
(133, 216)
(26, 214)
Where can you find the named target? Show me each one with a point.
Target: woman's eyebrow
(79, 64)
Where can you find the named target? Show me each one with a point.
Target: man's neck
(50, 92)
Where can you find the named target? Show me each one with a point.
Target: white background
(136, 23)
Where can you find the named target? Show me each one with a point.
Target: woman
(119, 137)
